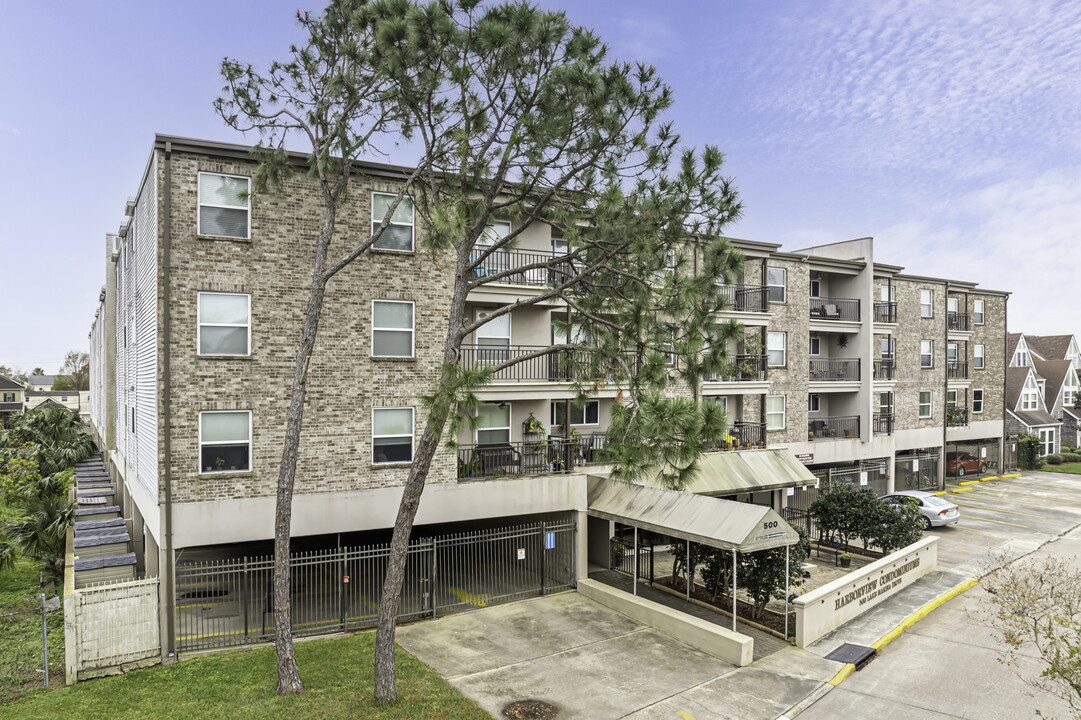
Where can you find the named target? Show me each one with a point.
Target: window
(816, 345)
(224, 324)
(927, 353)
(392, 435)
(493, 339)
(225, 441)
(588, 414)
(392, 328)
(951, 306)
(775, 348)
(775, 412)
(885, 403)
(814, 402)
(977, 312)
(927, 303)
(925, 403)
(951, 398)
(816, 288)
(951, 352)
(776, 281)
(1069, 388)
(1030, 397)
(224, 206)
(9, 397)
(977, 357)
(715, 400)
(1047, 441)
(888, 348)
(398, 235)
(888, 293)
(560, 247)
(977, 401)
(493, 423)
(132, 419)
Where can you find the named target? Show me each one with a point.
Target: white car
(936, 511)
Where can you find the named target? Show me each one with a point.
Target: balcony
(534, 457)
(884, 369)
(840, 426)
(959, 321)
(744, 368)
(956, 370)
(553, 272)
(885, 312)
(558, 366)
(745, 298)
(826, 308)
(830, 369)
(883, 423)
(956, 417)
(743, 436)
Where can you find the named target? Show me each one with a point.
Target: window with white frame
(951, 352)
(885, 403)
(716, 400)
(9, 397)
(951, 398)
(493, 339)
(814, 402)
(497, 261)
(925, 408)
(776, 343)
(1030, 395)
(493, 423)
(816, 288)
(927, 353)
(392, 328)
(777, 284)
(888, 293)
(588, 414)
(392, 435)
(775, 412)
(978, 357)
(952, 306)
(1070, 387)
(398, 234)
(224, 323)
(888, 348)
(224, 441)
(1047, 441)
(977, 312)
(224, 206)
(927, 303)
(816, 345)
(977, 400)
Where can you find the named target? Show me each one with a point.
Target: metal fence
(520, 267)
(916, 472)
(25, 657)
(231, 602)
(885, 312)
(745, 298)
(834, 426)
(831, 308)
(835, 369)
(622, 557)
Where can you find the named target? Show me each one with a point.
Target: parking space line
(963, 527)
(993, 509)
(1001, 522)
(1030, 496)
(1050, 488)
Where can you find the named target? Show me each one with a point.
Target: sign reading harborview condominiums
(832, 605)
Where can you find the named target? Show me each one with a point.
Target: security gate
(916, 472)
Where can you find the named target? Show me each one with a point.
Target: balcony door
(493, 339)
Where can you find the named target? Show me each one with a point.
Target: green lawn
(1071, 468)
(336, 671)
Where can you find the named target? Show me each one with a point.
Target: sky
(949, 131)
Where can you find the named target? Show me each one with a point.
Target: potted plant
(220, 463)
(846, 559)
(532, 425)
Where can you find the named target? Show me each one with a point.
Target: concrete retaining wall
(709, 638)
(832, 605)
(111, 628)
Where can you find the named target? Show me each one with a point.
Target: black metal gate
(622, 558)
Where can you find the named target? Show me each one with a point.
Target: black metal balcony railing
(883, 369)
(746, 298)
(958, 321)
(540, 457)
(840, 426)
(835, 369)
(743, 436)
(502, 261)
(826, 308)
(885, 312)
(744, 368)
(956, 417)
(558, 366)
(956, 370)
(883, 423)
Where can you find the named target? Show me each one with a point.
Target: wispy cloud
(9, 129)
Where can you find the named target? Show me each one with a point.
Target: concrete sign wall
(832, 605)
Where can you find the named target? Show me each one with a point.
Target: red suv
(960, 464)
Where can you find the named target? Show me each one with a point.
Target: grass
(1071, 468)
(337, 673)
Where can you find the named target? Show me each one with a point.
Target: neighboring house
(40, 383)
(848, 364)
(1054, 347)
(70, 399)
(12, 399)
(1056, 360)
(1026, 410)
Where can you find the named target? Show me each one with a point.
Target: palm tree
(41, 532)
(7, 557)
(58, 432)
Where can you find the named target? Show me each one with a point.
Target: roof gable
(9, 384)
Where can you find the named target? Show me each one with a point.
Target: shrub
(1028, 452)
(1054, 459)
(1071, 457)
(761, 574)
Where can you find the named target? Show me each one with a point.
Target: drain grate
(530, 710)
(858, 655)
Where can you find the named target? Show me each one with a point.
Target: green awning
(729, 473)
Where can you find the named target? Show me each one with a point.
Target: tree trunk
(288, 674)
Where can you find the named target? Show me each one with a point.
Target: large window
(1047, 441)
(977, 400)
(888, 348)
(493, 423)
(927, 303)
(885, 403)
(816, 345)
(493, 339)
(814, 402)
(1070, 388)
(926, 397)
(224, 324)
(977, 312)
(224, 206)
(392, 435)
(978, 357)
(775, 348)
(398, 235)
(1030, 396)
(888, 293)
(392, 328)
(777, 281)
(588, 414)
(951, 352)
(775, 412)
(927, 353)
(224, 441)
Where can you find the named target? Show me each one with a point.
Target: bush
(1028, 452)
(1071, 457)
(1054, 459)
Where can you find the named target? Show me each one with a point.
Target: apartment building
(848, 365)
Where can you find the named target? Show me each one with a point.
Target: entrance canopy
(729, 473)
(705, 520)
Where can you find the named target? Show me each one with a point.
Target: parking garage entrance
(972, 458)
